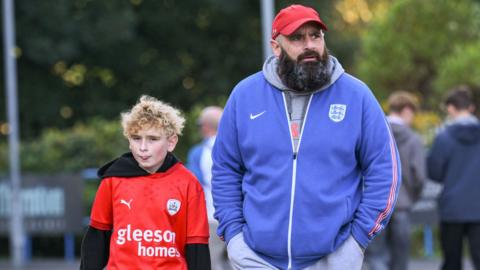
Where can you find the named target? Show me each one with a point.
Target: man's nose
(308, 43)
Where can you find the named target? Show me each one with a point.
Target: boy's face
(149, 147)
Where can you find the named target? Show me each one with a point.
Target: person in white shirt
(199, 161)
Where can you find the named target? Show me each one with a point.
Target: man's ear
(276, 49)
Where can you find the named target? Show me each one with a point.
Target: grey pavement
(415, 264)
(431, 264)
(38, 264)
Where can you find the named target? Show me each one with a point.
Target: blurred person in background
(390, 250)
(454, 161)
(199, 161)
(305, 168)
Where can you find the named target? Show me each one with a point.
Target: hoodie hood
(467, 134)
(401, 133)
(127, 166)
(271, 75)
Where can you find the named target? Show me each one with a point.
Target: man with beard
(305, 168)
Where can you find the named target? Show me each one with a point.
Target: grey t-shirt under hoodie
(297, 102)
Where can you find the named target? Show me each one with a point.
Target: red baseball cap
(292, 17)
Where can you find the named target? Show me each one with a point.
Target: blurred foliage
(417, 249)
(461, 67)
(85, 58)
(87, 145)
(406, 49)
(457, 67)
(426, 123)
(71, 150)
(82, 146)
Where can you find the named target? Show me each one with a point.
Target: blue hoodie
(295, 208)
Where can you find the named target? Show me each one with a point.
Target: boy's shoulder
(183, 174)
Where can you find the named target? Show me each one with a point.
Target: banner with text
(51, 204)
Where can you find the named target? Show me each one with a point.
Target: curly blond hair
(150, 112)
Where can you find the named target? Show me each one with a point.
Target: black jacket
(454, 161)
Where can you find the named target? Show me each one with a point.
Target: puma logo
(126, 203)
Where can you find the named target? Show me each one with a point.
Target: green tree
(460, 67)
(408, 46)
(82, 146)
(80, 59)
(86, 145)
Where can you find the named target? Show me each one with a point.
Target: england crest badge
(173, 206)
(337, 112)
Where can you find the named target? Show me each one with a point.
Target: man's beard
(304, 76)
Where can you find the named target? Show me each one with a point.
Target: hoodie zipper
(294, 171)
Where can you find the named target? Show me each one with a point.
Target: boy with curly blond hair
(149, 211)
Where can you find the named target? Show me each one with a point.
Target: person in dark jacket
(454, 161)
(149, 211)
(391, 248)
